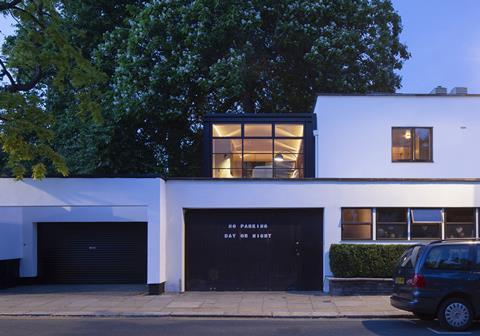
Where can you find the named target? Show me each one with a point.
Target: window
(356, 224)
(392, 223)
(258, 150)
(449, 257)
(426, 223)
(459, 223)
(412, 144)
(410, 257)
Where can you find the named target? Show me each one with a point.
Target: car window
(410, 257)
(448, 257)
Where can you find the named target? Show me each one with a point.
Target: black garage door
(81, 253)
(253, 249)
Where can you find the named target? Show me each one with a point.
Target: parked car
(440, 279)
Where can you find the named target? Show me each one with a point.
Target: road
(40, 326)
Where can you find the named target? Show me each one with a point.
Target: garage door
(92, 253)
(253, 249)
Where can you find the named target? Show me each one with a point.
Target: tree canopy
(170, 62)
(33, 61)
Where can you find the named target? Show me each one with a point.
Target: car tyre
(424, 317)
(455, 314)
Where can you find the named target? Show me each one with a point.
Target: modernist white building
(278, 190)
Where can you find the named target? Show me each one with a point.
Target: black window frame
(412, 149)
(356, 223)
(308, 121)
(414, 223)
(455, 223)
(379, 223)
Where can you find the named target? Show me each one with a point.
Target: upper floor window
(257, 150)
(412, 144)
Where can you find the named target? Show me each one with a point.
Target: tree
(37, 59)
(177, 60)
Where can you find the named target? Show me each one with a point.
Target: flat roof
(386, 94)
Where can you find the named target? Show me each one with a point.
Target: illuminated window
(412, 144)
(356, 224)
(258, 150)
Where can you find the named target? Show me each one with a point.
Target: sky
(443, 37)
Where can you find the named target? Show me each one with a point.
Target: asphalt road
(211, 327)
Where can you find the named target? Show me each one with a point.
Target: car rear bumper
(422, 306)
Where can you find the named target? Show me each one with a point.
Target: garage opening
(253, 249)
(92, 253)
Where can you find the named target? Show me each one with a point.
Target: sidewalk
(132, 301)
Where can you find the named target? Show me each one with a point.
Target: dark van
(441, 279)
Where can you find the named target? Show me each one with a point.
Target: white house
(277, 191)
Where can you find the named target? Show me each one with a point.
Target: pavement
(132, 301)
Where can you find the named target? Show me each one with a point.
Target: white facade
(353, 143)
(354, 135)
(25, 203)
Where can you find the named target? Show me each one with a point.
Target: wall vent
(459, 90)
(439, 90)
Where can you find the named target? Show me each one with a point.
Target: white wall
(24, 203)
(300, 194)
(354, 135)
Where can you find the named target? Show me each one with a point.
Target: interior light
(408, 135)
(278, 157)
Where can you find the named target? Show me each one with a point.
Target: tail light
(418, 281)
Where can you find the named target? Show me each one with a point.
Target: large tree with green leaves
(182, 59)
(169, 62)
(39, 58)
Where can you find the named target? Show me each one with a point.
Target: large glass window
(258, 150)
(356, 224)
(392, 223)
(426, 223)
(459, 223)
(412, 144)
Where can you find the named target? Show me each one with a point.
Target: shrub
(365, 261)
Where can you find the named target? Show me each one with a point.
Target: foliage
(361, 260)
(169, 62)
(182, 59)
(36, 59)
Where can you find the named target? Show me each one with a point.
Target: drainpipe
(317, 159)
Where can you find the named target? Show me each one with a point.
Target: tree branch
(17, 87)
(9, 5)
(7, 73)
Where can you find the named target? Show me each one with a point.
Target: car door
(475, 278)
(446, 270)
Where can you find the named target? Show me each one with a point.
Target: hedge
(364, 261)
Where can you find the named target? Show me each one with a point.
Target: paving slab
(133, 301)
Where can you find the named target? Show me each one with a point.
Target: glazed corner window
(391, 223)
(257, 150)
(426, 223)
(412, 144)
(356, 224)
(459, 223)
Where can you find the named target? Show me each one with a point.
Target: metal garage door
(92, 253)
(253, 249)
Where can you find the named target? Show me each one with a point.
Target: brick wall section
(360, 286)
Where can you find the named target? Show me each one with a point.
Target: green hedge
(364, 261)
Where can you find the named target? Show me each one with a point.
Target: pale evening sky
(443, 37)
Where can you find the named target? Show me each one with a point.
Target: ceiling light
(408, 134)
(278, 157)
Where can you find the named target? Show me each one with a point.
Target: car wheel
(424, 317)
(455, 314)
